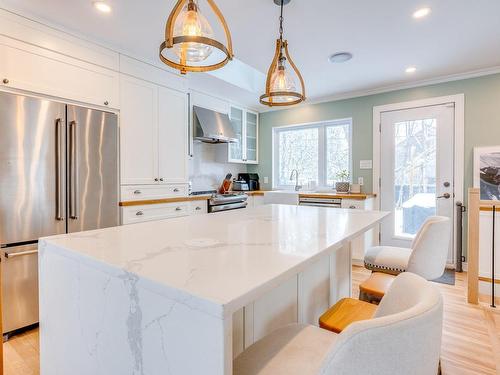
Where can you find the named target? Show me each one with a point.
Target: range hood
(212, 127)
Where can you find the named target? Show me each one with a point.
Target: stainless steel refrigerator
(58, 174)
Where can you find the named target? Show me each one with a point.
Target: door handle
(445, 196)
(73, 167)
(20, 254)
(59, 171)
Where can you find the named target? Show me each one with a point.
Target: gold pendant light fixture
(189, 44)
(281, 89)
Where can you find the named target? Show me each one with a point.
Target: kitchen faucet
(297, 186)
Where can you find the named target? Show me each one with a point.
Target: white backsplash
(207, 168)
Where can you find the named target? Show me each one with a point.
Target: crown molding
(396, 87)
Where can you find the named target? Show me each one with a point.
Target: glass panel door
(236, 149)
(416, 170)
(251, 137)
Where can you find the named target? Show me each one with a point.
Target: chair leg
(439, 368)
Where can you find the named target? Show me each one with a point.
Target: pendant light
(189, 44)
(281, 88)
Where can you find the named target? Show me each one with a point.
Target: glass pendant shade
(281, 89)
(192, 23)
(190, 37)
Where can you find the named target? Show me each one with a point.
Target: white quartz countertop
(217, 262)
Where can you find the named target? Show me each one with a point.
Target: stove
(224, 202)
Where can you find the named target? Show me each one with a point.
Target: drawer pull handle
(139, 213)
(5, 81)
(178, 209)
(176, 190)
(161, 179)
(352, 207)
(198, 208)
(20, 254)
(156, 179)
(106, 103)
(137, 192)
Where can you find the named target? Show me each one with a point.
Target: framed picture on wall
(487, 172)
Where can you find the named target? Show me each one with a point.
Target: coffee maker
(252, 179)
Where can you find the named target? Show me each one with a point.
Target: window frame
(322, 147)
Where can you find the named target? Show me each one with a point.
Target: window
(317, 151)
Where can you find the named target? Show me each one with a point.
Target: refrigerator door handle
(73, 172)
(59, 170)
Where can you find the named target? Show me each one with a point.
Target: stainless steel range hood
(212, 127)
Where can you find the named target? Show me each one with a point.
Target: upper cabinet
(153, 133)
(173, 136)
(246, 126)
(30, 68)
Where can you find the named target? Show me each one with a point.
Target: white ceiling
(458, 36)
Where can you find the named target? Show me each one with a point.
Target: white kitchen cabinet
(130, 193)
(154, 138)
(138, 131)
(173, 136)
(198, 207)
(30, 68)
(246, 126)
(139, 214)
(360, 245)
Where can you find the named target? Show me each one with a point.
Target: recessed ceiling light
(421, 13)
(411, 69)
(340, 57)
(102, 6)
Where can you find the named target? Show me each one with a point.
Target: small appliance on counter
(252, 179)
(240, 185)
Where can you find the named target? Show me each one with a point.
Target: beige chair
(404, 337)
(427, 256)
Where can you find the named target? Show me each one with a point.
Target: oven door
(227, 207)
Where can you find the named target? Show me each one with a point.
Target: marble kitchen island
(184, 296)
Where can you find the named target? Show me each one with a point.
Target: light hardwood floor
(471, 336)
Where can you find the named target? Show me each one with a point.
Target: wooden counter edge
(339, 196)
(179, 199)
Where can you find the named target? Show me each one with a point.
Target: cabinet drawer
(138, 214)
(198, 207)
(148, 192)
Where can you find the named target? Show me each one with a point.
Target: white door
(173, 136)
(138, 132)
(417, 179)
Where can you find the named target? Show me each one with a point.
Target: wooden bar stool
(345, 312)
(375, 287)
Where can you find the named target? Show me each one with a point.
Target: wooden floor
(471, 336)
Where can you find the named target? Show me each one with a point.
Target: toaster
(240, 185)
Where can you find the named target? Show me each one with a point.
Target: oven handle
(20, 254)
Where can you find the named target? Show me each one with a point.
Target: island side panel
(100, 323)
(341, 273)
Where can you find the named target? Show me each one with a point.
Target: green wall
(482, 121)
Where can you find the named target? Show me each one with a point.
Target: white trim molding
(459, 130)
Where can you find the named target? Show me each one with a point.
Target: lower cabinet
(198, 207)
(255, 201)
(150, 212)
(361, 244)
(150, 192)
(302, 298)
